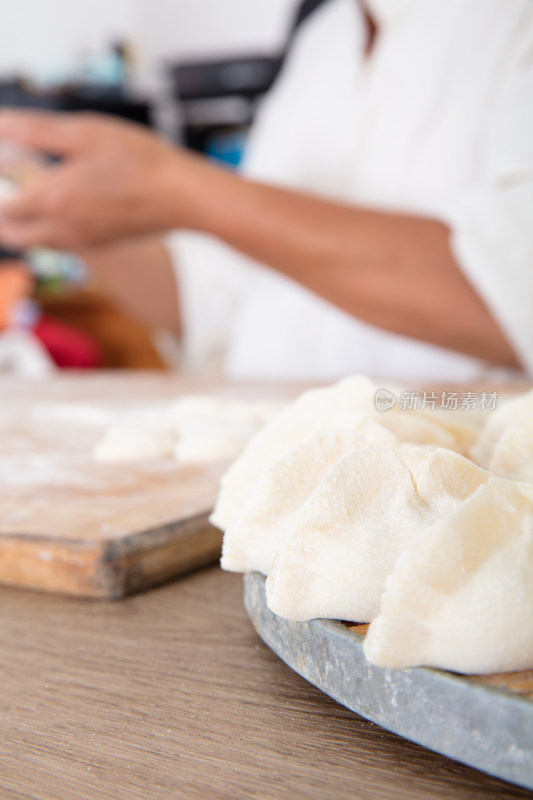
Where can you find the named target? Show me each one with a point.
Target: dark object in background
(248, 77)
(8, 255)
(105, 100)
(100, 86)
(219, 98)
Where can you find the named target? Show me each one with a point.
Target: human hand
(115, 180)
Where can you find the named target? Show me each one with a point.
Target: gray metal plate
(487, 727)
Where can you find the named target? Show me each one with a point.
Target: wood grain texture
(70, 525)
(171, 694)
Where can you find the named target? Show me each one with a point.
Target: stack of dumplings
(196, 429)
(419, 522)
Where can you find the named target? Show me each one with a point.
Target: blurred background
(193, 69)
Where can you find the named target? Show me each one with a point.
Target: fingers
(27, 203)
(31, 219)
(34, 214)
(30, 233)
(57, 134)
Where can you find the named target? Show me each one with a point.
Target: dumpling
(461, 596)
(505, 445)
(202, 439)
(134, 441)
(427, 426)
(194, 429)
(211, 427)
(254, 537)
(347, 404)
(342, 405)
(346, 538)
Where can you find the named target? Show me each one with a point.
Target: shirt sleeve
(492, 225)
(213, 278)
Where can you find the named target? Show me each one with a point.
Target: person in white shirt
(383, 222)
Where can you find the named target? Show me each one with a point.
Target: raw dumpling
(347, 536)
(433, 427)
(256, 534)
(135, 441)
(347, 404)
(211, 428)
(505, 445)
(202, 439)
(461, 596)
(341, 405)
(195, 429)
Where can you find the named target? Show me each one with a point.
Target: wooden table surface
(171, 694)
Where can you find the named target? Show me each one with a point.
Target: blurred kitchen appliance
(218, 98)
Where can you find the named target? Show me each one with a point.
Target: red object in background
(68, 347)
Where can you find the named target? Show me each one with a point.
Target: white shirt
(438, 122)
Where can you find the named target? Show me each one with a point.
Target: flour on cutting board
(50, 445)
(52, 489)
(77, 445)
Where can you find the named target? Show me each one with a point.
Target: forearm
(394, 271)
(138, 274)
(118, 181)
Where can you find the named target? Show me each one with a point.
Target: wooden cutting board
(73, 526)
